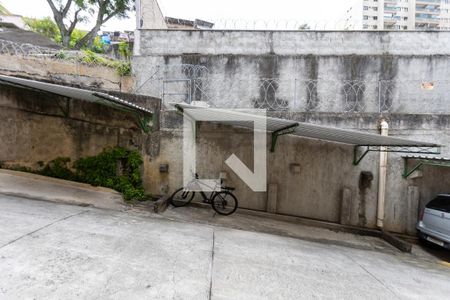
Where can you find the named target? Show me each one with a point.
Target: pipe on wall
(384, 130)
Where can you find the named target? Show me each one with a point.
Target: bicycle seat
(228, 188)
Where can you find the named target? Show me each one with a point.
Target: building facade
(313, 77)
(398, 15)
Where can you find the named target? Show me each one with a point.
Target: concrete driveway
(56, 251)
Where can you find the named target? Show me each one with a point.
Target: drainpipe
(384, 129)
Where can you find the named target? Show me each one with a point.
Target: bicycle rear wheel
(181, 197)
(224, 203)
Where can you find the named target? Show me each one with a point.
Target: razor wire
(13, 48)
(287, 25)
(343, 23)
(265, 24)
(76, 58)
(191, 83)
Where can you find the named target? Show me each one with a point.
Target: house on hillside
(6, 17)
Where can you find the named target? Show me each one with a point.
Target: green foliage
(4, 11)
(44, 26)
(124, 50)
(69, 13)
(76, 36)
(48, 27)
(115, 168)
(97, 45)
(124, 68)
(58, 168)
(18, 168)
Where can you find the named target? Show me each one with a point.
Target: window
(375, 18)
(366, 17)
(375, 8)
(441, 203)
(366, 8)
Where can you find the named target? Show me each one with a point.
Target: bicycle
(222, 201)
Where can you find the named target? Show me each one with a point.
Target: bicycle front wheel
(224, 203)
(181, 197)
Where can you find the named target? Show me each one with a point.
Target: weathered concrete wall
(64, 72)
(292, 43)
(34, 129)
(238, 61)
(149, 15)
(325, 185)
(310, 175)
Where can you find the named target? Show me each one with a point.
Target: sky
(310, 11)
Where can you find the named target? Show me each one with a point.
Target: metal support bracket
(356, 159)
(286, 130)
(422, 162)
(393, 148)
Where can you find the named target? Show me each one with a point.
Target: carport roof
(319, 132)
(75, 93)
(429, 158)
(421, 160)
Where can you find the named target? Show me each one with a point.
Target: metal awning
(76, 93)
(421, 160)
(372, 142)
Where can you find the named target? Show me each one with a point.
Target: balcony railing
(428, 2)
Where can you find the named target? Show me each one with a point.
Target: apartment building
(398, 15)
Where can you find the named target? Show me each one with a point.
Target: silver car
(434, 221)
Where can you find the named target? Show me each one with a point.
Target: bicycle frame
(196, 183)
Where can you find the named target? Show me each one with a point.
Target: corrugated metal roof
(302, 129)
(429, 158)
(75, 93)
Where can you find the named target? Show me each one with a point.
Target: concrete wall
(239, 61)
(325, 185)
(34, 129)
(65, 72)
(149, 15)
(315, 189)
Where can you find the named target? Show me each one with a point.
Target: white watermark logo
(255, 179)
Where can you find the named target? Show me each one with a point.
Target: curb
(390, 238)
(398, 243)
(60, 201)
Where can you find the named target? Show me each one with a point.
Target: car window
(441, 203)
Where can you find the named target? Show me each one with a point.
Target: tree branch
(74, 23)
(66, 9)
(52, 6)
(113, 14)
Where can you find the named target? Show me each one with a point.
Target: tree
(69, 13)
(43, 26)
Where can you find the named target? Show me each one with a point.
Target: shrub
(58, 168)
(115, 168)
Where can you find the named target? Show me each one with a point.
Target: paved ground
(56, 251)
(34, 186)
